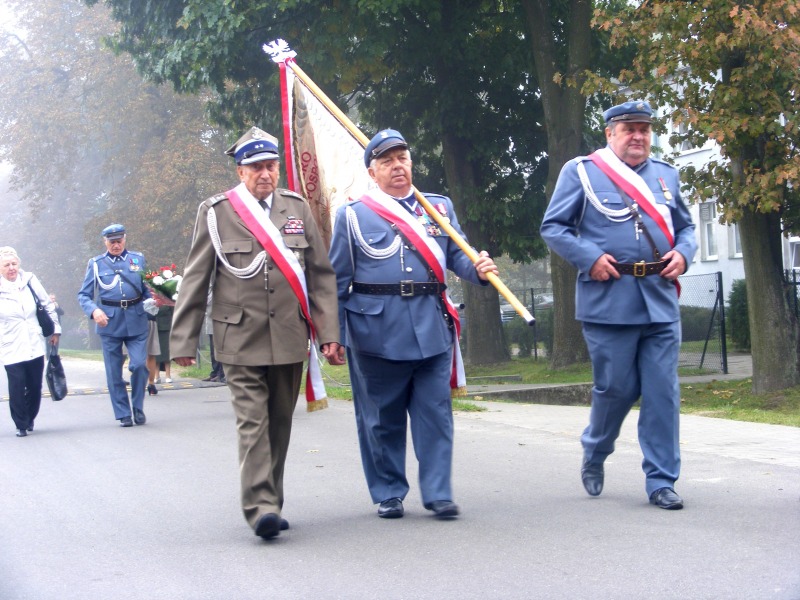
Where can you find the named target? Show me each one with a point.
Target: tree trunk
(773, 324)
(563, 109)
(484, 331)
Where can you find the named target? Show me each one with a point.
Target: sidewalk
(88, 377)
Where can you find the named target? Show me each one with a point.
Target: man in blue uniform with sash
(114, 295)
(400, 328)
(618, 217)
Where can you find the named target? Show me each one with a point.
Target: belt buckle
(639, 269)
(123, 304)
(407, 288)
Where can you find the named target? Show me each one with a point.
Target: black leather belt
(123, 304)
(641, 269)
(406, 288)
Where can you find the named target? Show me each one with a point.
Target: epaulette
(291, 194)
(136, 252)
(99, 257)
(663, 162)
(214, 199)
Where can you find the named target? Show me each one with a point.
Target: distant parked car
(543, 301)
(507, 313)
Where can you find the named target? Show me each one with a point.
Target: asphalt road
(89, 510)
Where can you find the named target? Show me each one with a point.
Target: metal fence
(702, 304)
(790, 277)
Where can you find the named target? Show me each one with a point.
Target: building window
(681, 129)
(708, 231)
(794, 243)
(734, 241)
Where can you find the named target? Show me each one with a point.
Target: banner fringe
(458, 392)
(315, 405)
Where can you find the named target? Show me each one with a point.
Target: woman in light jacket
(22, 345)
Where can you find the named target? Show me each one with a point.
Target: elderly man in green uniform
(274, 288)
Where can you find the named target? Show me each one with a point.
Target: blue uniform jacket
(578, 232)
(121, 322)
(392, 327)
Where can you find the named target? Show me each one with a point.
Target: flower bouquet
(164, 284)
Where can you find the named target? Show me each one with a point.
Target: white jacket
(21, 337)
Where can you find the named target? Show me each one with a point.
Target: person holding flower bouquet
(165, 284)
(274, 290)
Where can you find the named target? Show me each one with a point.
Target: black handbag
(45, 322)
(55, 377)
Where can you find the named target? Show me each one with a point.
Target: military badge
(442, 209)
(294, 226)
(134, 264)
(665, 190)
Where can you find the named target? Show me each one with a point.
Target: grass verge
(720, 399)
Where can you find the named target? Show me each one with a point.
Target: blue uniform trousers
(137, 356)
(629, 362)
(383, 392)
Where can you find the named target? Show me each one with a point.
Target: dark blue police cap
(114, 232)
(254, 146)
(383, 141)
(637, 111)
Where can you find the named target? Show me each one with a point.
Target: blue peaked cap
(113, 232)
(254, 146)
(384, 140)
(636, 111)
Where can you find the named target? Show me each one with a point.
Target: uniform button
(272, 313)
(269, 268)
(271, 290)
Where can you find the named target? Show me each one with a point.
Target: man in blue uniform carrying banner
(400, 329)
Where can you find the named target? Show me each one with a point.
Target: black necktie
(263, 204)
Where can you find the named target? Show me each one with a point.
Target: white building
(719, 246)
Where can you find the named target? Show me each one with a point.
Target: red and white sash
(632, 184)
(389, 209)
(264, 230)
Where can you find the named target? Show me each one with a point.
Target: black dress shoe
(269, 526)
(391, 509)
(125, 422)
(443, 509)
(138, 417)
(592, 476)
(152, 390)
(284, 524)
(666, 498)
(21, 433)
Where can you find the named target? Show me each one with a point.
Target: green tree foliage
(453, 75)
(90, 144)
(728, 70)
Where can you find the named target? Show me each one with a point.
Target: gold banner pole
(444, 224)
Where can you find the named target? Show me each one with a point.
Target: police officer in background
(617, 216)
(114, 295)
(390, 260)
